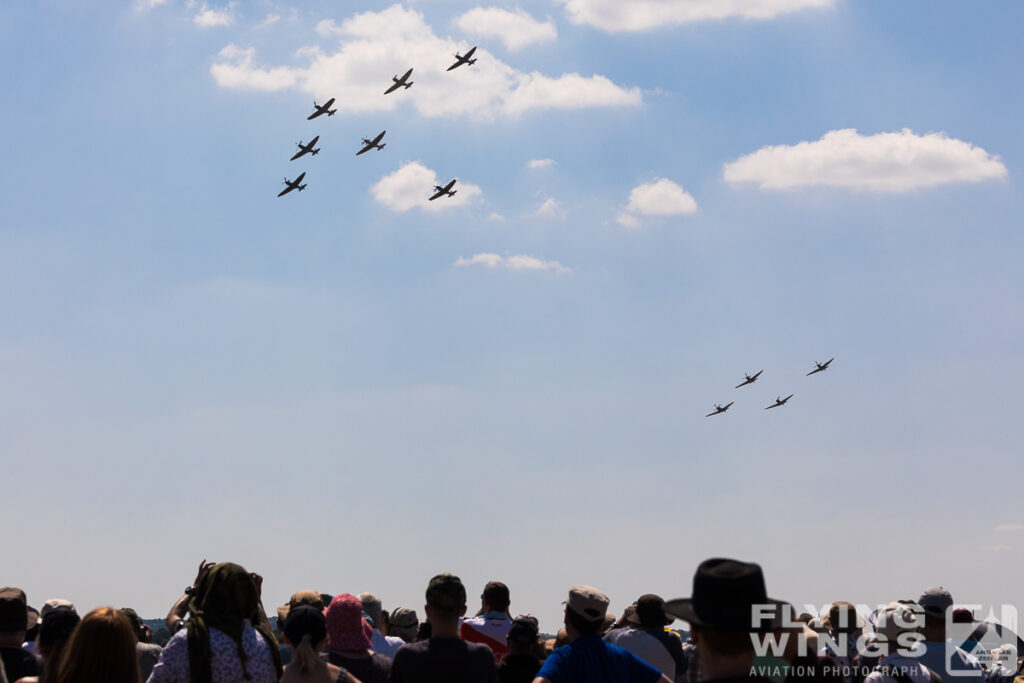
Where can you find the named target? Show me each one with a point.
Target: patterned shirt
(226, 667)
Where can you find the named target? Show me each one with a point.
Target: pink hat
(346, 628)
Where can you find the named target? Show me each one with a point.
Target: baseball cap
(935, 601)
(587, 602)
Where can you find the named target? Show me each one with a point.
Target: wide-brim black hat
(728, 595)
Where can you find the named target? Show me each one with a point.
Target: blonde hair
(102, 648)
(304, 656)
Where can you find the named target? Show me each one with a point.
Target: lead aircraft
(748, 379)
(822, 367)
(779, 402)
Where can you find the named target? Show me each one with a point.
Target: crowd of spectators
(221, 634)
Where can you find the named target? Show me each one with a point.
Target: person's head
(225, 598)
(305, 629)
(307, 597)
(495, 597)
(404, 624)
(371, 609)
(585, 611)
(649, 612)
(133, 619)
(522, 635)
(935, 602)
(347, 630)
(101, 648)
(721, 609)
(33, 618)
(54, 632)
(843, 619)
(15, 619)
(446, 600)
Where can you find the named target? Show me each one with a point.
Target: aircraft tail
(472, 61)
(382, 145)
(302, 187)
(452, 193)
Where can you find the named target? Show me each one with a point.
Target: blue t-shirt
(591, 660)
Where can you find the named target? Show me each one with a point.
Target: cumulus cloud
(886, 162)
(628, 221)
(235, 71)
(639, 15)
(269, 20)
(540, 163)
(659, 198)
(514, 262)
(1010, 527)
(208, 17)
(516, 29)
(373, 46)
(411, 186)
(551, 208)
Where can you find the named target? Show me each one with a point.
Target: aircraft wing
(314, 115)
(297, 155)
(470, 53)
(439, 193)
(285, 191)
(366, 148)
(393, 88)
(458, 63)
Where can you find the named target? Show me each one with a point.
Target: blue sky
(350, 394)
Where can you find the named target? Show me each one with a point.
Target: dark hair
(424, 631)
(102, 648)
(496, 595)
(584, 627)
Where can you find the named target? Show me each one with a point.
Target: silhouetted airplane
(306, 149)
(720, 409)
(463, 59)
(399, 82)
(822, 367)
(779, 402)
(325, 108)
(373, 144)
(748, 379)
(293, 185)
(446, 190)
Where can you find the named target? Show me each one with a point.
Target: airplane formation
(311, 149)
(779, 401)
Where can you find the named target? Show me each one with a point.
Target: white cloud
(540, 163)
(516, 29)
(237, 71)
(495, 216)
(149, 4)
(661, 198)
(376, 45)
(515, 262)
(551, 208)
(639, 15)
(269, 20)
(1000, 548)
(628, 221)
(886, 162)
(208, 17)
(412, 185)
(1010, 527)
